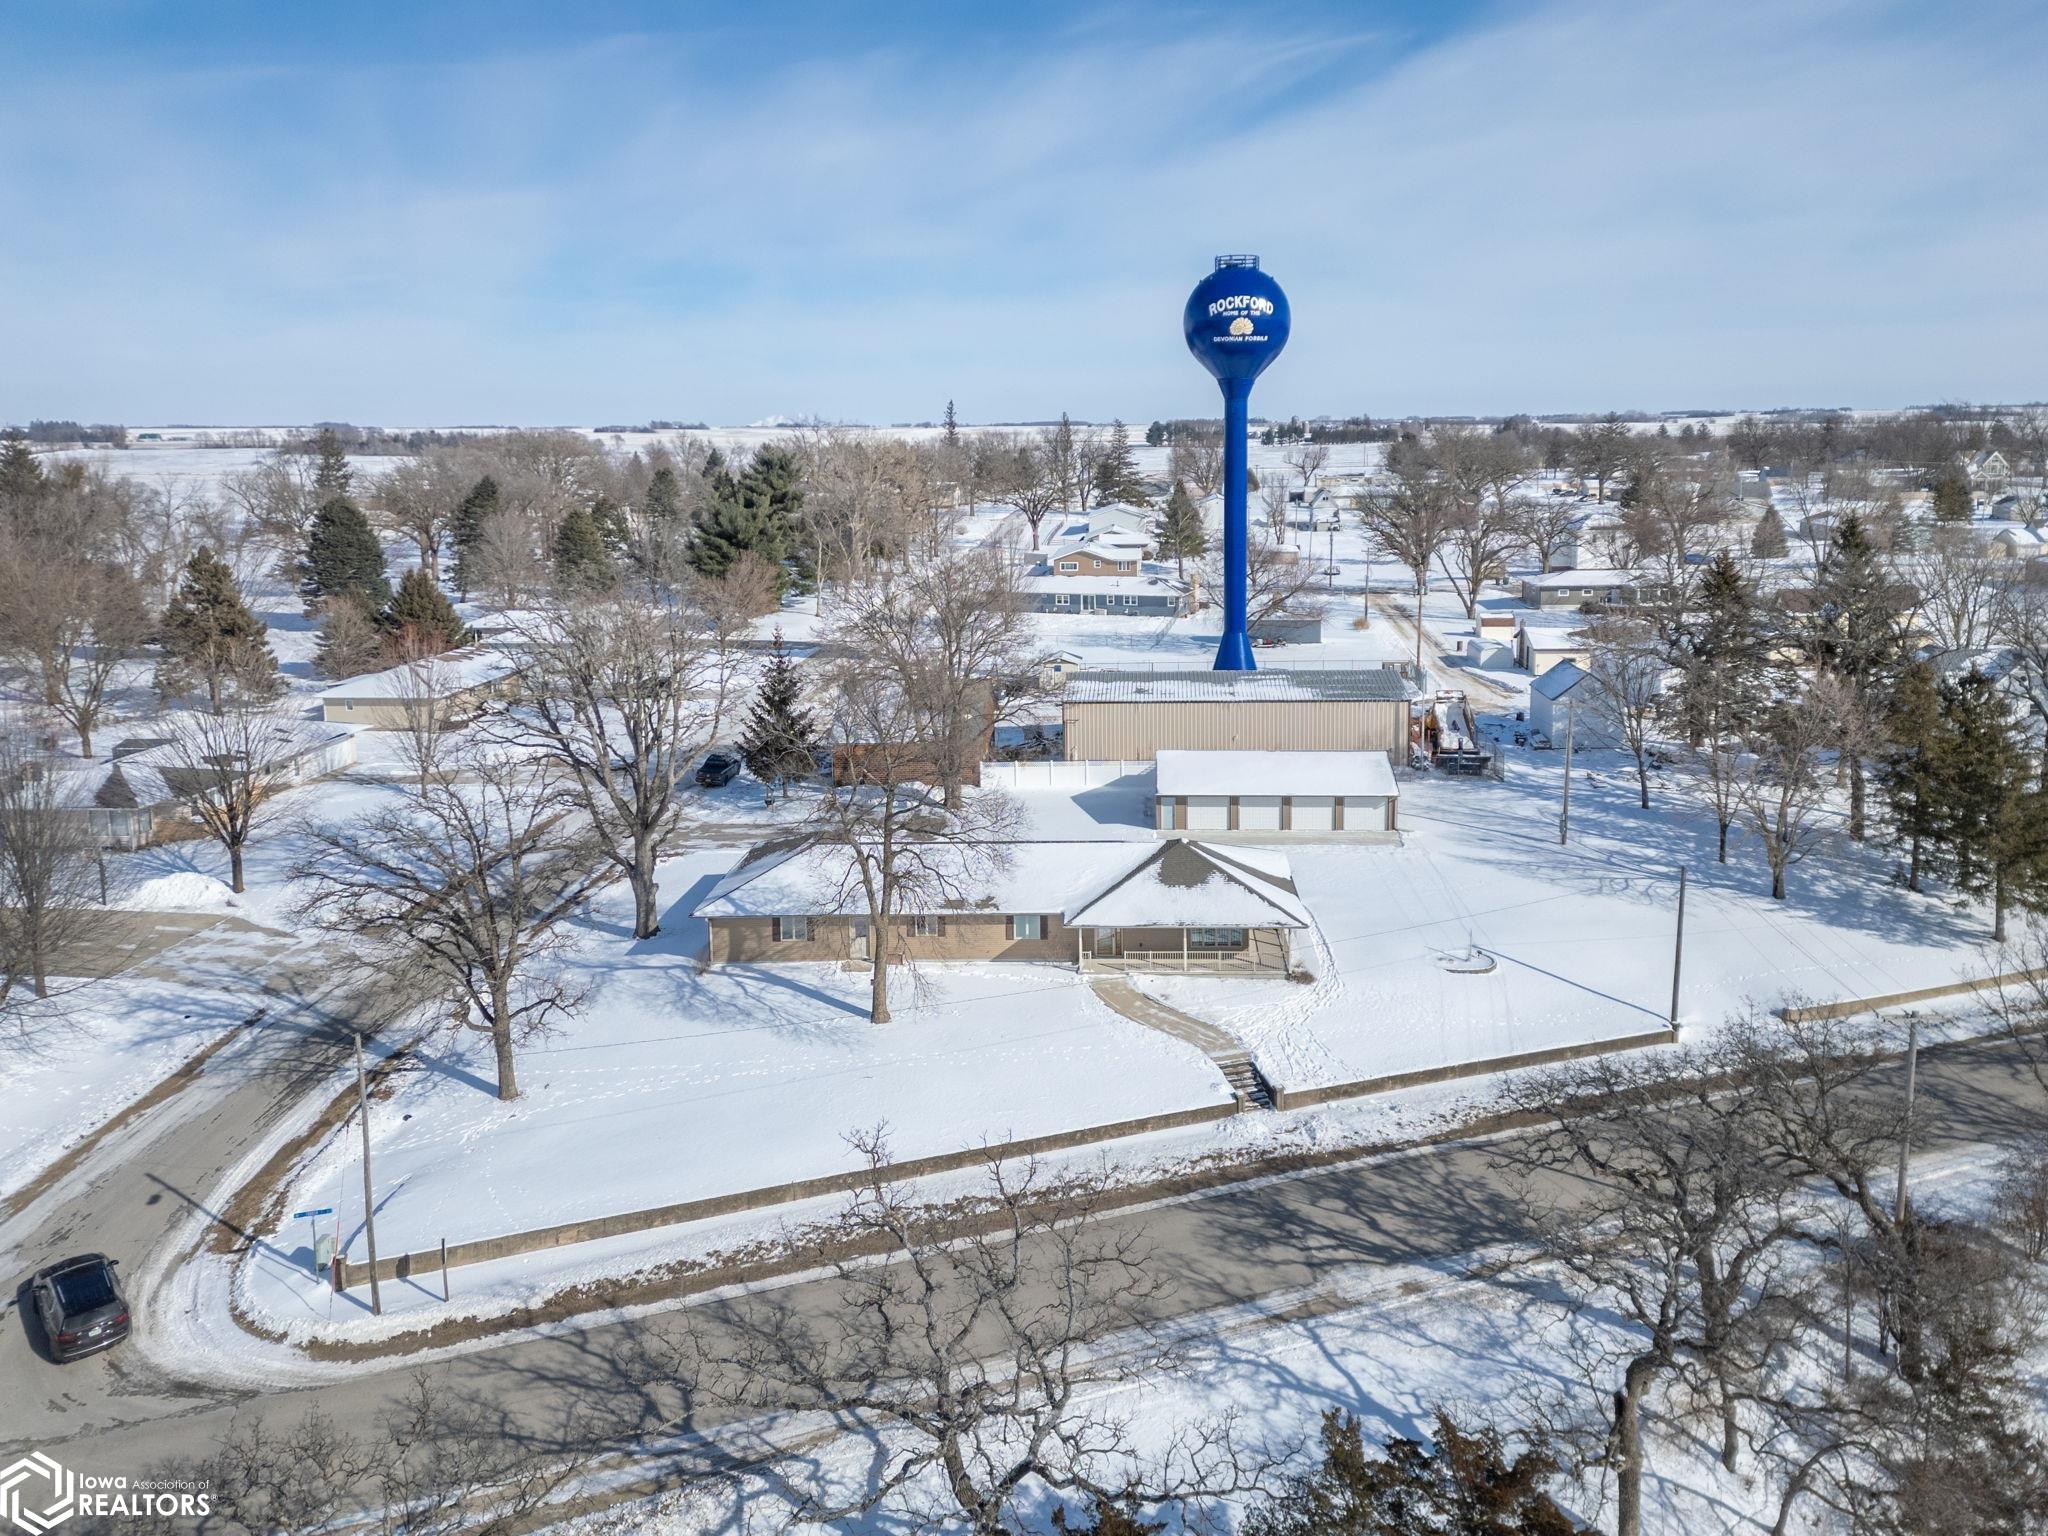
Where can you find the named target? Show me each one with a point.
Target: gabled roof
(1319, 685)
(1183, 884)
(449, 673)
(1105, 884)
(1559, 680)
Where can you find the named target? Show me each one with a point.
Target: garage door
(1314, 813)
(1365, 813)
(1258, 813)
(1208, 813)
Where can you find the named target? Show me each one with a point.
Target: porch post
(1183, 951)
(1080, 955)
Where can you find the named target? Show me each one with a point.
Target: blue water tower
(1236, 323)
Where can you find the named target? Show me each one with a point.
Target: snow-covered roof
(1559, 680)
(1583, 578)
(1110, 546)
(1108, 884)
(436, 677)
(1185, 772)
(1323, 685)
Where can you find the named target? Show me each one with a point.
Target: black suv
(80, 1306)
(718, 770)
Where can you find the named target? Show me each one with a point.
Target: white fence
(1058, 774)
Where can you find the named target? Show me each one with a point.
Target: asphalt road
(116, 1414)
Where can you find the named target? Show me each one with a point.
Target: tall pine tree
(1992, 815)
(343, 559)
(1909, 769)
(331, 474)
(1116, 472)
(1182, 533)
(421, 621)
(1952, 497)
(466, 527)
(582, 563)
(212, 642)
(1858, 633)
(1769, 542)
(663, 507)
(779, 741)
(755, 512)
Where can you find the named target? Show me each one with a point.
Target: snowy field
(1581, 936)
(671, 1084)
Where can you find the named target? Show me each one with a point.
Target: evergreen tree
(1465, 1484)
(211, 640)
(343, 558)
(663, 507)
(952, 425)
(1992, 817)
(582, 563)
(779, 741)
(421, 619)
(1181, 531)
(1155, 435)
(467, 526)
(1858, 632)
(1116, 472)
(331, 476)
(609, 518)
(21, 477)
(754, 512)
(1909, 769)
(1720, 649)
(1769, 542)
(716, 474)
(1952, 497)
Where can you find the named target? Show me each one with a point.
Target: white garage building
(1290, 794)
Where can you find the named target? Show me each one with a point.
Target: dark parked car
(80, 1306)
(718, 770)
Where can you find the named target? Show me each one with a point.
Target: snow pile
(185, 891)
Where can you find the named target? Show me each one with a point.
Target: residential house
(1987, 471)
(1544, 638)
(1577, 588)
(1100, 906)
(456, 682)
(1150, 593)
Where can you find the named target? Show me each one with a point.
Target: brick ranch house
(1179, 905)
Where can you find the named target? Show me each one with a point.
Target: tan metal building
(1135, 714)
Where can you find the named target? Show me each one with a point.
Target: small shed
(1561, 694)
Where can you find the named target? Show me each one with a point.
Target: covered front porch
(1190, 951)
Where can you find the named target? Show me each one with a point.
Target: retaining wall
(1297, 1098)
(427, 1261)
(1854, 1005)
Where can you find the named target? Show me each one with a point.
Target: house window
(1059, 600)
(1126, 566)
(925, 926)
(1130, 600)
(1215, 938)
(1070, 565)
(1028, 925)
(792, 930)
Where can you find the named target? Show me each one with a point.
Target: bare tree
(1412, 524)
(1308, 458)
(225, 768)
(951, 637)
(1197, 458)
(620, 693)
(891, 850)
(982, 1356)
(1625, 672)
(1651, 1189)
(463, 885)
(1547, 525)
(1780, 783)
(417, 498)
(67, 624)
(1960, 585)
(1028, 486)
(49, 868)
(1279, 582)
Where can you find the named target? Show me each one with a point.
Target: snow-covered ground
(1390, 1344)
(1581, 936)
(673, 1083)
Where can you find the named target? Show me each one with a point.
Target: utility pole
(1678, 949)
(369, 1200)
(1906, 1128)
(1564, 815)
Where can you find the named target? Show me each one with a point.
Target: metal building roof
(1381, 685)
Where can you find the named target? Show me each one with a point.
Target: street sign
(325, 1210)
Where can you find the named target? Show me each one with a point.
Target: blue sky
(501, 213)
